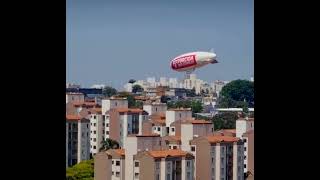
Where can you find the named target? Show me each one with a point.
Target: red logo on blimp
(183, 62)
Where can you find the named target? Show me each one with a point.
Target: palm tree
(109, 144)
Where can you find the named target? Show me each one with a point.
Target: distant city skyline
(110, 43)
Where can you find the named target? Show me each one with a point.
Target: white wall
(108, 104)
(186, 136)
(99, 128)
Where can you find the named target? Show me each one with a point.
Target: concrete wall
(102, 167)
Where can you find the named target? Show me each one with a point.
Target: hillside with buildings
(156, 140)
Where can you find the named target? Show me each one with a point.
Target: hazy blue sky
(109, 43)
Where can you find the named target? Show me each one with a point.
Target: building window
(87, 125)
(193, 148)
(168, 176)
(158, 177)
(245, 166)
(136, 175)
(136, 164)
(94, 117)
(245, 140)
(103, 124)
(222, 160)
(174, 147)
(245, 157)
(87, 134)
(154, 128)
(188, 163)
(102, 131)
(107, 132)
(117, 163)
(94, 124)
(188, 175)
(117, 174)
(112, 162)
(112, 173)
(94, 147)
(245, 148)
(172, 129)
(90, 131)
(94, 139)
(157, 165)
(180, 115)
(169, 147)
(158, 128)
(94, 132)
(156, 109)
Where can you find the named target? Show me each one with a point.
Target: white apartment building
(113, 102)
(124, 122)
(74, 97)
(97, 132)
(155, 108)
(78, 139)
(244, 125)
(173, 115)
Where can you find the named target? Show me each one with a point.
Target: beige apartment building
(146, 165)
(218, 158)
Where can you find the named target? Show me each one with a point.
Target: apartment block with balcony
(222, 157)
(164, 165)
(124, 122)
(77, 139)
(97, 132)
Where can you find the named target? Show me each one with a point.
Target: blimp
(188, 62)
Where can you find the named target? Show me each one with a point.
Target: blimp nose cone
(213, 58)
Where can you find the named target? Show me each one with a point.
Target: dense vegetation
(238, 93)
(83, 171)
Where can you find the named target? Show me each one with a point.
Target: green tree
(238, 93)
(109, 91)
(137, 88)
(109, 144)
(225, 120)
(196, 106)
(83, 170)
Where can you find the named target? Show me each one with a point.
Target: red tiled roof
(166, 153)
(120, 152)
(73, 117)
(128, 110)
(218, 139)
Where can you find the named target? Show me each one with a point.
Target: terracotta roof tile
(120, 152)
(128, 110)
(166, 153)
(72, 117)
(218, 139)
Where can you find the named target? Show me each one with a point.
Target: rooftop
(167, 153)
(120, 152)
(218, 139)
(128, 110)
(179, 109)
(72, 117)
